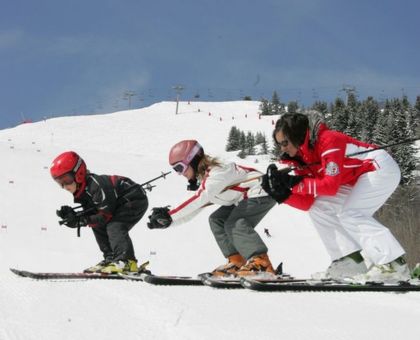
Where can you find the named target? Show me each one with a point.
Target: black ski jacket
(107, 198)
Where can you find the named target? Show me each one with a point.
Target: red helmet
(183, 153)
(69, 163)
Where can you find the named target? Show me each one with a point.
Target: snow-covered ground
(136, 144)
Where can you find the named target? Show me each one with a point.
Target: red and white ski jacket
(329, 167)
(226, 185)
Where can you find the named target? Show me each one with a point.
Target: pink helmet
(69, 163)
(183, 153)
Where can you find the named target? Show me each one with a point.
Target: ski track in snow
(135, 143)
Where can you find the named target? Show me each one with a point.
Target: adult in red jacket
(346, 191)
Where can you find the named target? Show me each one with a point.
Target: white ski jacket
(226, 185)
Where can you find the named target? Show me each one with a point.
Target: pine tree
(265, 107)
(264, 147)
(293, 107)
(242, 141)
(259, 138)
(353, 127)
(404, 154)
(412, 121)
(276, 106)
(384, 126)
(233, 139)
(417, 108)
(339, 117)
(416, 114)
(250, 143)
(262, 141)
(369, 112)
(275, 152)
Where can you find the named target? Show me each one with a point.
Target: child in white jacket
(243, 204)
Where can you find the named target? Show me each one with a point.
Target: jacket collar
(81, 188)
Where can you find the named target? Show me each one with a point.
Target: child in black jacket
(111, 205)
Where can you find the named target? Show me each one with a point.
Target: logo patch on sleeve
(332, 169)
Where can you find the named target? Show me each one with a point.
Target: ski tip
(18, 272)
(279, 269)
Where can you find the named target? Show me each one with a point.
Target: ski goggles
(180, 167)
(65, 179)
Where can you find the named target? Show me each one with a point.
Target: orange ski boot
(235, 262)
(258, 265)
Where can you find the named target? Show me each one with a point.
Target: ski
(163, 280)
(220, 282)
(326, 286)
(64, 276)
(132, 276)
(235, 282)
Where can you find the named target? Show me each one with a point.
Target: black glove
(282, 177)
(64, 211)
(288, 180)
(274, 186)
(159, 219)
(70, 218)
(193, 184)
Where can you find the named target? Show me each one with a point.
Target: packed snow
(135, 144)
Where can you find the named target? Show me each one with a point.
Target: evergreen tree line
(368, 120)
(276, 107)
(273, 107)
(246, 143)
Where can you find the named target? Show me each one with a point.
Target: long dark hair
(293, 126)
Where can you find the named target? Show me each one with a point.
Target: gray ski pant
(233, 226)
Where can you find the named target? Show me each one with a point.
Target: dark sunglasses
(282, 143)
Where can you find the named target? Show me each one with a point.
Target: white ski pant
(345, 223)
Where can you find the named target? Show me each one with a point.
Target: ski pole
(410, 140)
(150, 187)
(86, 211)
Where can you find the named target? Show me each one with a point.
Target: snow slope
(135, 144)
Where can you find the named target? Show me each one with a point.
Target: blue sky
(80, 56)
